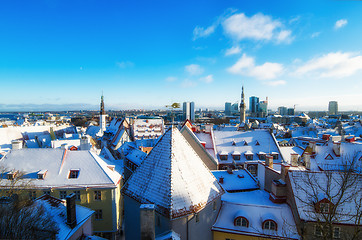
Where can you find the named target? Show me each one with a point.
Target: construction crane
(172, 107)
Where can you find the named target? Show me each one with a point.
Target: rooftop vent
(73, 173)
(41, 174)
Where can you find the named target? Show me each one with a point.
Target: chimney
(294, 159)
(284, 171)
(337, 148)
(147, 220)
(269, 161)
(71, 213)
(16, 144)
(221, 180)
(229, 170)
(307, 160)
(312, 145)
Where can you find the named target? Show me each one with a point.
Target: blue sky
(147, 54)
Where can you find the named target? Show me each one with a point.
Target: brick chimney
(147, 221)
(312, 145)
(337, 148)
(294, 159)
(221, 180)
(307, 160)
(269, 161)
(71, 212)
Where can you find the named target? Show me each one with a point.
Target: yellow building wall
(223, 236)
(87, 200)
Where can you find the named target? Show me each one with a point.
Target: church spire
(242, 106)
(102, 112)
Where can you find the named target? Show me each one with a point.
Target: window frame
(242, 221)
(98, 215)
(267, 225)
(62, 193)
(72, 172)
(97, 195)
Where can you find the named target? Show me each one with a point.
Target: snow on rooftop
(237, 180)
(173, 178)
(93, 170)
(57, 209)
(256, 207)
(308, 187)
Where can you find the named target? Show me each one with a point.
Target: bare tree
(20, 218)
(330, 202)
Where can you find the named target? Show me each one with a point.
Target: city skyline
(63, 54)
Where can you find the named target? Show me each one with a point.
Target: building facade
(333, 108)
(188, 111)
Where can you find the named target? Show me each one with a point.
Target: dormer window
(74, 173)
(241, 221)
(270, 225)
(324, 207)
(223, 156)
(11, 175)
(236, 155)
(248, 155)
(261, 155)
(275, 155)
(41, 174)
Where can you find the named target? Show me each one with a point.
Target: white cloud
(125, 64)
(276, 83)
(200, 32)
(233, 51)
(187, 83)
(332, 65)
(171, 79)
(194, 69)
(340, 23)
(207, 79)
(246, 66)
(315, 34)
(257, 27)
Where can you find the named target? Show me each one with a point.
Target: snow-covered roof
(148, 128)
(326, 158)
(56, 208)
(236, 180)
(249, 142)
(256, 207)
(307, 188)
(174, 178)
(93, 170)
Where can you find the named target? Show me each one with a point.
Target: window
(252, 169)
(249, 157)
(275, 156)
(317, 231)
(223, 157)
(270, 225)
(73, 174)
(236, 157)
(336, 232)
(32, 195)
(261, 156)
(99, 214)
(324, 207)
(241, 221)
(77, 195)
(46, 193)
(97, 195)
(62, 194)
(214, 206)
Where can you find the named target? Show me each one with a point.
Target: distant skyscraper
(242, 106)
(263, 108)
(189, 111)
(227, 108)
(333, 108)
(283, 110)
(291, 111)
(235, 108)
(253, 105)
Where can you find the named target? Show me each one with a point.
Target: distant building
(290, 111)
(282, 111)
(227, 108)
(189, 111)
(333, 108)
(253, 105)
(263, 108)
(235, 108)
(102, 116)
(242, 106)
